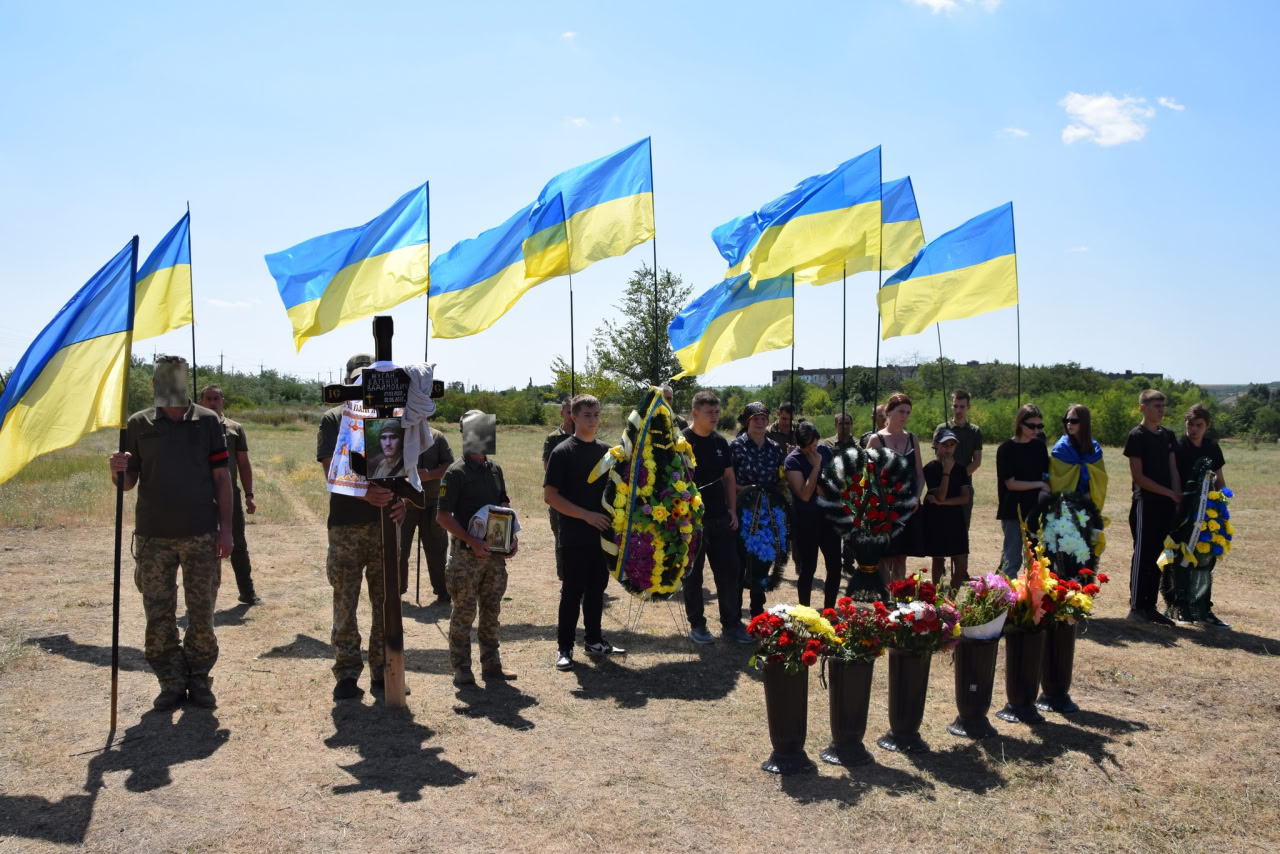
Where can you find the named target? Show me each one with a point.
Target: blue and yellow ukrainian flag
(74, 378)
(164, 285)
(731, 321)
(968, 271)
(901, 233)
(599, 210)
(822, 221)
(592, 212)
(331, 280)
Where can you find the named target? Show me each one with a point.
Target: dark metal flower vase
(975, 662)
(786, 702)
(849, 692)
(908, 687)
(1059, 662)
(1023, 660)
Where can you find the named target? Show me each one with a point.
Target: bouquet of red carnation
(868, 496)
(863, 632)
(794, 636)
(921, 621)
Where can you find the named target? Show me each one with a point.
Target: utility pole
(220, 354)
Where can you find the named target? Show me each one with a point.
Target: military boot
(198, 692)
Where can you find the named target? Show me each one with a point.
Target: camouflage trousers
(475, 584)
(435, 542)
(355, 551)
(156, 575)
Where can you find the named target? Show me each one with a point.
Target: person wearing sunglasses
(1022, 463)
(1075, 463)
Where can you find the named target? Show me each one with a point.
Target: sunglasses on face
(1071, 421)
(1034, 425)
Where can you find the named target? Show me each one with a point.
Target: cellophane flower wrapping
(654, 503)
(795, 636)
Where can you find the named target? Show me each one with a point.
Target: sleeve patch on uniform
(219, 458)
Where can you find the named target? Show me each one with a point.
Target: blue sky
(1134, 139)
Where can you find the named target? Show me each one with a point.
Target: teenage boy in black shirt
(1191, 446)
(714, 476)
(586, 567)
(1156, 496)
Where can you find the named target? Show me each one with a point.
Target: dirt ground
(1173, 750)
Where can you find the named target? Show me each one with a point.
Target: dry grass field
(660, 751)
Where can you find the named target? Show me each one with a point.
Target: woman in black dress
(942, 516)
(894, 436)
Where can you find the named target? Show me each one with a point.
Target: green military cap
(356, 362)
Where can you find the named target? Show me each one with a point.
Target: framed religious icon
(499, 529)
(384, 448)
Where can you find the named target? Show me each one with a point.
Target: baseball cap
(359, 360)
(944, 434)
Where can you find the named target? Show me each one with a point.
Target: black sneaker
(347, 689)
(169, 697)
(250, 598)
(198, 692)
(1213, 621)
(564, 660)
(603, 647)
(1154, 616)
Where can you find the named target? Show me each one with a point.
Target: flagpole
(879, 285)
(195, 379)
(844, 339)
(657, 331)
(793, 339)
(426, 328)
(1017, 306)
(942, 366)
(124, 421)
(568, 259)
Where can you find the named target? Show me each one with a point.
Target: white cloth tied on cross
(417, 434)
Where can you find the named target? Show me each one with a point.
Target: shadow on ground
(849, 788)
(393, 758)
(498, 702)
(147, 751)
(131, 658)
(1121, 632)
(708, 678)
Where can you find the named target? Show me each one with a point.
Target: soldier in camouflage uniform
(553, 440)
(177, 458)
(432, 464)
(355, 550)
(240, 469)
(476, 577)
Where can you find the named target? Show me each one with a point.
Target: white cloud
(1015, 133)
(1079, 248)
(617, 120)
(576, 122)
(1170, 103)
(568, 36)
(950, 6)
(1105, 119)
(222, 303)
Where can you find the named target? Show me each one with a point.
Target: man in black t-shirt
(715, 479)
(580, 504)
(549, 444)
(1156, 495)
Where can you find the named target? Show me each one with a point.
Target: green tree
(587, 379)
(634, 351)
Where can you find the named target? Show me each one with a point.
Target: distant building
(825, 376)
(1128, 375)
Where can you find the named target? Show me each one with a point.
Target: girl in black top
(894, 436)
(1022, 483)
(942, 516)
(812, 531)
